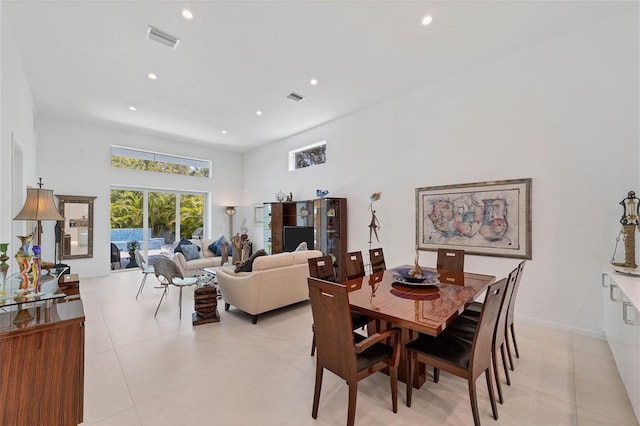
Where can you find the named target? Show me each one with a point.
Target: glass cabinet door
(267, 228)
(330, 216)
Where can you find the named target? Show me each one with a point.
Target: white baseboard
(563, 327)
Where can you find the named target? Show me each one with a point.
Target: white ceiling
(89, 60)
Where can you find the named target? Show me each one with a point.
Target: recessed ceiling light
(427, 20)
(152, 76)
(258, 112)
(224, 132)
(313, 82)
(132, 108)
(186, 14)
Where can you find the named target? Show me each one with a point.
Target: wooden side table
(206, 305)
(69, 284)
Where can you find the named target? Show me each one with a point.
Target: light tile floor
(141, 370)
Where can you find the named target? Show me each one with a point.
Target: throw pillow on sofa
(302, 246)
(216, 246)
(184, 242)
(191, 251)
(247, 265)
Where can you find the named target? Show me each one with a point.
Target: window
(309, 155)
(136, 159)
(168, 215)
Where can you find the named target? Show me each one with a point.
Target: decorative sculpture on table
(4, 266)
(630, 220)
(374, 225)
(321, 193)
(23, 257)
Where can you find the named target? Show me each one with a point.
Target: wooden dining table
(427, 308)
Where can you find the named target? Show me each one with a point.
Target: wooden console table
(42, 365)
(69, 284)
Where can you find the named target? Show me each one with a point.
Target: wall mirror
(76, 232)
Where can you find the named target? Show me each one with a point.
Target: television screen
(294, 235)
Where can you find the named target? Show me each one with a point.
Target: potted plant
(132, 246)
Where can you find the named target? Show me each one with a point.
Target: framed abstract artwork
(483, 218)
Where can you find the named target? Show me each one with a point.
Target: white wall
(564, 113)
(75, 158)
(16, 117)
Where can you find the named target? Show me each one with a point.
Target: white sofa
(208, 259)
(275, 281)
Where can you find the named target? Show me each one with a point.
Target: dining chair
(322, 268)
(376, 256)
(115, 257)
(345, 353)
(145, 268)
(463, 358)
(451, 260)
(466, 326)
(168, 273)
(353, 265)
(473, 310)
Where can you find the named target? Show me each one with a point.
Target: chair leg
(144, 278)
(180, 304)
(506, 342)
(316, 392)
(436, 374)
(313, 344)
(351, 411)
(393, 374)
(162, 297)
(494, 362)
(492, 396)
(473, 398)
(409, 377)
(515, 344)
(504, 364)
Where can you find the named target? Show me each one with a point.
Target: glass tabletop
(12, 294)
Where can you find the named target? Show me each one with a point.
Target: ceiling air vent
(161, 37)
(295, 97)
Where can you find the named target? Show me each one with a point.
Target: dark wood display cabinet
(42, 364)
(330, 219)
(279, 221)
(321, 222)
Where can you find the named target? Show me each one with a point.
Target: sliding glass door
(153, 221)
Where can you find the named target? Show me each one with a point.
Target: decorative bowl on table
(401, 275)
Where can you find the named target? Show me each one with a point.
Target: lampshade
(39, 205)
(230, 211)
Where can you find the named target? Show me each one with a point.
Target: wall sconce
(230, 211)
(39, 206)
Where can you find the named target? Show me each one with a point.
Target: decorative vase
(4, 266)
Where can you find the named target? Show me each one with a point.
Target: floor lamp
(230, 211)
(39, 206)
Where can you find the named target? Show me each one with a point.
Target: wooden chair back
(512, 299)
(481, 351)
(499, 334)
(322, 267)
(333, 329)
(376, 257)
(451, 260)
(353, 265)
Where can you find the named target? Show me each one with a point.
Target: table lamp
(39, 206)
